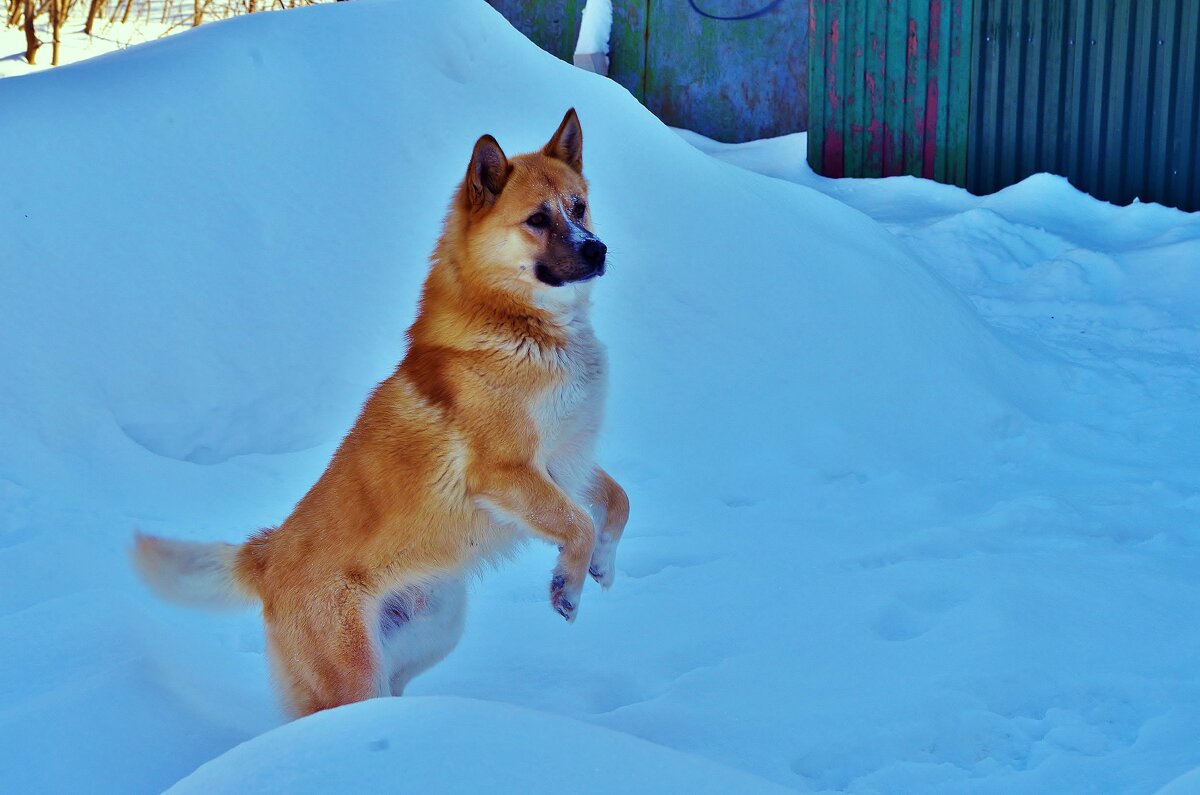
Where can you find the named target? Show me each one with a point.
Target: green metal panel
(915, 125)
(1184, 165)
(939, 37)
(893, 87)
(892, 80)
(730, 69)
(834, 142)
(852, 100)
(817, 60)
(1104, 92)
(875, 63)
(1052, 42)
(1138, 105)
(627, 45)
(553, 26)
(1166, 38)
(960, 67)
(729, 78)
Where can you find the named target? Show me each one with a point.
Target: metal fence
(894, 77)
(976, 93)
(1104, 92)
(734, 70)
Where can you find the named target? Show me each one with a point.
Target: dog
(483, 435)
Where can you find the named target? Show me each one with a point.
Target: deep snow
(897, 527)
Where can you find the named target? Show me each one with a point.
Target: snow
(74, 45)
(149, 20)
(453, 745)
(1187, 784)
(595, 27)
(914, 474)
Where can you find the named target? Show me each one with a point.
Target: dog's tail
(192, 573)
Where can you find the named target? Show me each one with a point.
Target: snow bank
(454, 745)
(880, 541)
(1187, 784)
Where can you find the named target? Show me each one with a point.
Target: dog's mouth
(547, 275)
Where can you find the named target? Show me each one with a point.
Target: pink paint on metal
(893, 164)
(832, 47)
(832, 148)
(833, 153)
(928, 125)
(874, 104)
(928, 129)
(835, 99)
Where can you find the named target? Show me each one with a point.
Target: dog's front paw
(564, 599)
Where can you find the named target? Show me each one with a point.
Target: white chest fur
(568, 415)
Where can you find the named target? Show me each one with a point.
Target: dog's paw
(602, 575)
(563, 599)
(603, 567)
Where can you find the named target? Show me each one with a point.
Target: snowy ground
(146, 22)
(107, 36)
(915, 475)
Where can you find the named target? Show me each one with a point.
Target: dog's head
(527, 221)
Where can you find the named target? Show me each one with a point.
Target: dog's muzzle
(586, 263)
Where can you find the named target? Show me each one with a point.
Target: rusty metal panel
(627, 45)
(889, 87)
(1104, 92)
(733, 70)
(553, 26)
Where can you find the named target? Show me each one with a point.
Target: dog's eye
(578, 208)
(538, 220)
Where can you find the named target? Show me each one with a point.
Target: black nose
(593, 252)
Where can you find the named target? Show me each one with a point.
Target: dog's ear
(487, 173)
(567, 143)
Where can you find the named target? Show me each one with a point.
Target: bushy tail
(191, 573)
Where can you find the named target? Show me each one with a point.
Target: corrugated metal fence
(1103, 91)
(889, 88)
(982, 93)
(976, 93)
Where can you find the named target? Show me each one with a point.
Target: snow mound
(455, 745)
(895, 527)
(1187, 784)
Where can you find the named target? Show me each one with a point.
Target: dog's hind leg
(611, 507)
(419, 626)
(324, 653)
(297, 688)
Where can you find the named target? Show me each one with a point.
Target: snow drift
(450, 746)
(877, 544)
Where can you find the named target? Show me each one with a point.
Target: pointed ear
(487, 173)
(567, 143)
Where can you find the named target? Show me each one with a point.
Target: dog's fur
(484, 432)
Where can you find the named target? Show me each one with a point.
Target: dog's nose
(593, 252)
